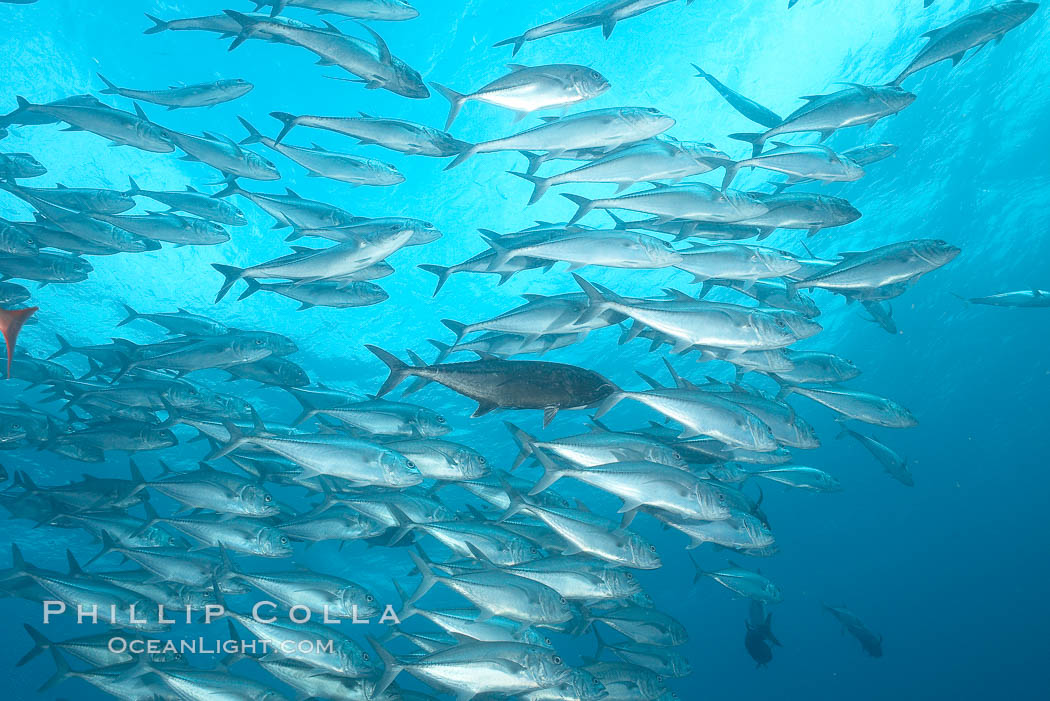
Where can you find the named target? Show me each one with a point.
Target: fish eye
(369, 598)
(365, 657)
(676, 455)
(284, 540)
(267, 498)
(557, 659)
(481, 459)
(780, 323)
(441, 419)
(410, 464)
(534, 551)
(652, 548)
(659, 679)
(563, 600)
(629, 576)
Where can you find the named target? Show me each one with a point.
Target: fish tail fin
(456, 327)
(40, 643)
(429, 579)
(254, 136)
(757, 141)
(398, 370)
(526, 444)
(111, 88)
(108, 546)
(535, 161)
(700, 72)
(463, 155)
(443, 350)
(455, 102)
(583, 205)
(248, 27)
(232, 275)
(731, 172)
(236, 440)
(131, 315)
(699, 571)
(134, 189)
(62, 672)
(551, 473)
(159, 25)
(539, 185)
(232, 188)
(391, 666)
(288, 121)
(253, 287)
(518, 502)
(598, 301)
(518, 42)
(601, 645)
(11, 322)
(442, 273)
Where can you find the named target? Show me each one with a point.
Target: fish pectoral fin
(483, 408)
(548, 414)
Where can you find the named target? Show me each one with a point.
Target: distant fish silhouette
(11, 321)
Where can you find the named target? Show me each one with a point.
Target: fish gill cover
(323, 341)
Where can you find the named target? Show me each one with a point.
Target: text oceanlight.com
(254, 648)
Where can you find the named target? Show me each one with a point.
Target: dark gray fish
(852, 624)
(745, 106)
(1019, 299)
(506, 384)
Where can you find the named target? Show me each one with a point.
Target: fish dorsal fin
(932, 33)
(331, 27)
(303, 249)
(678, 295)
(810, 98)
(385, 56)
(140, 113)
(366, 115)
(550, 119)
(292, 193)
(515, 67)
(318, 147)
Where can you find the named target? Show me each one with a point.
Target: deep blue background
(952, 572)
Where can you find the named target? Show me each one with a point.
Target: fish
(802, 210)
(747, 583)
(16, 240)
(799, 163)
(974, 30)
(373, 64)
(861, 406)
(528, 89)
(869, 641)
(394, 134)
(734, 261)
(179, 97)
(691, 201)
(316, 264)
(745, 106)
(20, 165)
(181, 322)
(47, 267)
(292, 210)
(647, 161)
(191, 201)
(78, 199)
(759, 634)
(169, 228)
(505, 384)
(894, 464)
(894, 264)
(385, 10)
(800, 477)
(1020, 299)
(882, 314)
(583, 247)
(853, 105)
(602, 13)
(321, 163)
(225, 155)
(606, 129)
(122, 128)
(597, 447)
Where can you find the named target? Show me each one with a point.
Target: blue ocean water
(951, 572)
